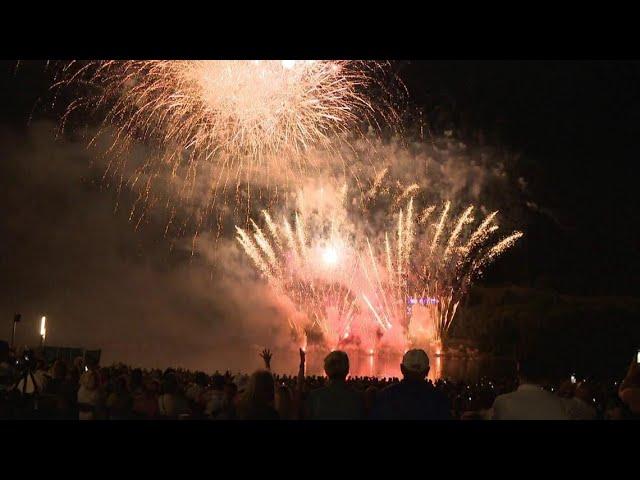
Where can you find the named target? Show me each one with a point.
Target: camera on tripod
(26, 364)
(26, 361)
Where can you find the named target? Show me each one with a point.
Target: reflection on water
(383, 364)
(388, 365)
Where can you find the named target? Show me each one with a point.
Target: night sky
(67, 252)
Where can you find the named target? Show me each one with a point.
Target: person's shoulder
(505, 397)
(316, 392)
(629, 393)
(394, 387)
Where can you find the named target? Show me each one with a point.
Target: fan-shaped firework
(312, 265)
(430, 260)
(431, 264)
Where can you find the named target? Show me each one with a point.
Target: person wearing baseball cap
(413, 398)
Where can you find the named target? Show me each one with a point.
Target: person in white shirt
(530, 401)
(90, 397)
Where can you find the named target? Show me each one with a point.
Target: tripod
(24, 377)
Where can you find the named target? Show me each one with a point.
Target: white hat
(415, 360)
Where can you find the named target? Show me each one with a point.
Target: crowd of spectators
(83, 390)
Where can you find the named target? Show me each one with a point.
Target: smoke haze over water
(155, 299)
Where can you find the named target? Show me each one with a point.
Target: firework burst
(220, 130)
(309, 260)
(430, 265)
(244, 107)
(401, 289)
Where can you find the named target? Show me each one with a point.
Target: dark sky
(575, 124)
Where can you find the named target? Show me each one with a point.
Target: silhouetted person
(530, 401)
(63, 391)
(413, 398)
(258, 399)
(336, 401)
(216, 401)
(172, 403)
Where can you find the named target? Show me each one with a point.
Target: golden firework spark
(255, 107)
(220, 131)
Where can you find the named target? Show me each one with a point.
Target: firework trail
(426, 267)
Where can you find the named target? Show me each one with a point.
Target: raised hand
(266, 356)
(302, 357)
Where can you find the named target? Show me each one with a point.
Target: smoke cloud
(94, 252)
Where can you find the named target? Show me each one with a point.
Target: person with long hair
(257, 402)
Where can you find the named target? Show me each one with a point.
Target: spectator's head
(261, 389)
(217, 382)
(336, 365)
(89, 380)
(415, 365)
(78, 363)
(59, 370)
(242, 382)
